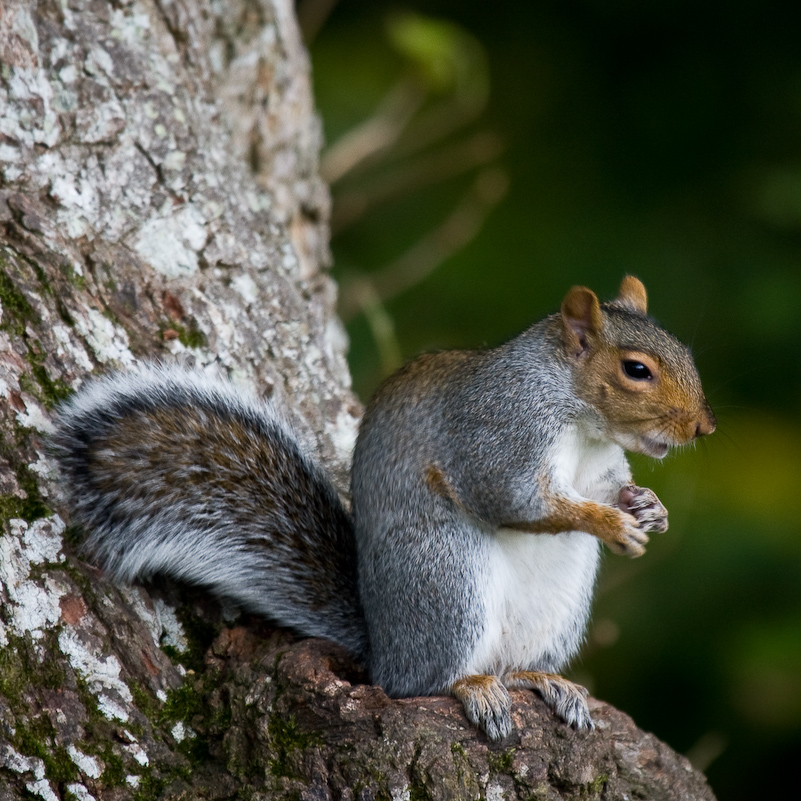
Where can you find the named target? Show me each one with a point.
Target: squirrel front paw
(629, 538)
(642, 504)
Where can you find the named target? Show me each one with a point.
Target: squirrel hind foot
(566, 699)
(486, 704)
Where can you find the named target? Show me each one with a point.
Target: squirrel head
(640, 378)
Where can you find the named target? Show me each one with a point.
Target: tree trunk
(160, 199)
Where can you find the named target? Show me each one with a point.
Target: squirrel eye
(636, 370)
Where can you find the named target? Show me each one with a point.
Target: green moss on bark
(17, 311)
(286, 739)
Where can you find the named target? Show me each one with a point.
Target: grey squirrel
(483, 483)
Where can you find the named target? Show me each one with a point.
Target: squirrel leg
(617, 527)
(566, 699)
(486, 704)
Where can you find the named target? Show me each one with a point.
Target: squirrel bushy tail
(173, 472)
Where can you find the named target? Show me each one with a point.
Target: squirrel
(483, 483)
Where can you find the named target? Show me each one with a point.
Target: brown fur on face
(647, 415)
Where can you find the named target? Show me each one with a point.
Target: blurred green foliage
(486, 157)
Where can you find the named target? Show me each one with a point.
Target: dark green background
(661, 139)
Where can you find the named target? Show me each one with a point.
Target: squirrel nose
(706, 426)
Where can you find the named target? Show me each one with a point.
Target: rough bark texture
(160, 198)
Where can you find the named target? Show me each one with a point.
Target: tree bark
(160, 199)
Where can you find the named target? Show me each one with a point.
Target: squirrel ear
(581, 316)
(632, 294)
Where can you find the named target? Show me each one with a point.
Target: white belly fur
(539, 589)
(539, 586)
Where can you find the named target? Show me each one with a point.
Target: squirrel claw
(566, 699)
